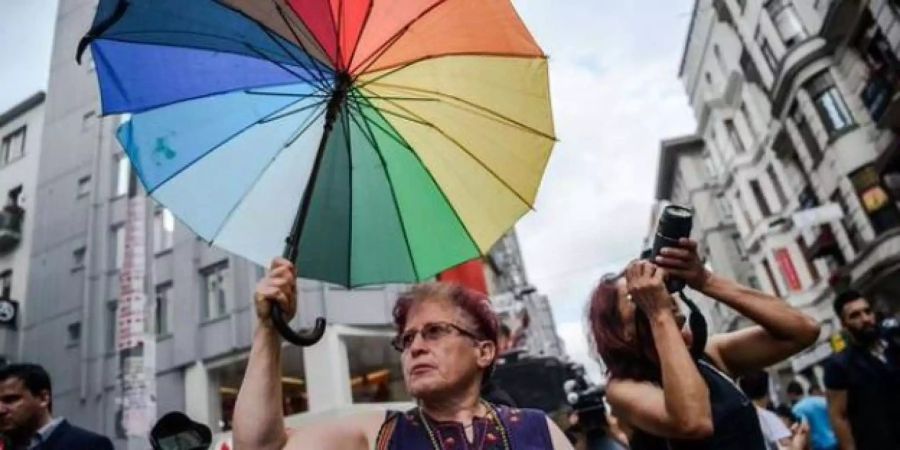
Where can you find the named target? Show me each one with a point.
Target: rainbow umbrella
(387, 139)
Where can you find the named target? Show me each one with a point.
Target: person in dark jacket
(26, 417)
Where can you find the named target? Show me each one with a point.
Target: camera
(588, 404)
(675, 223)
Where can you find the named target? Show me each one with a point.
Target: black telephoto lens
(675, 223)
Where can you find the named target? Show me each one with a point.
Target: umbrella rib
(362, 31)
(318, 87)
(338, 24)
(383, 48)
(285, 94)
(370, 136)
(214, 147)
(321, 82)
(270, 118)
(489, 113)
(297, 38)
(466, 151)
(256, 180)
(404, 144)
(323, 86)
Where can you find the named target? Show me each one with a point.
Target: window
(118, 254)
(779, 190)
(78, 258)
(163, 230)
(708, 77)
(724, 207)
(738, 245)
(84, 186)
(760, 198)
(787, 22)
(163, 305)
(12, 147)
(806, 134)
(742, 207)
(214, 290)
(111, 325)
(734, 137)
(73, 333)
(829, 104)
(766, 50)
(126, 180)
(123, 174)
(6, 284)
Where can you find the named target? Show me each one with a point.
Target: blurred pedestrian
(756, 386)
(26, 414)
(447, 336)
(676, 392)
(863, 381)
(794, 391)
(813, 409)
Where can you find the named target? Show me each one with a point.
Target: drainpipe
(91, 265)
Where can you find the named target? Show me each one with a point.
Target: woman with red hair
(675, 389)
(447, 336)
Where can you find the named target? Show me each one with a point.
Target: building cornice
(21, 108)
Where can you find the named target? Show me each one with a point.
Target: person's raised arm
(258, 414)
(782, 331)
(681, 408)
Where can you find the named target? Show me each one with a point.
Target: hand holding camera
(684, 263)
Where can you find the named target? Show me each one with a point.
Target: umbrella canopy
(391, 139)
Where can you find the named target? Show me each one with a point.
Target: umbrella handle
(302, 338)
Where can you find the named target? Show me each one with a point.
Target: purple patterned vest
(527, 430)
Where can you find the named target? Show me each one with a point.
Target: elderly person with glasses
(447, 335)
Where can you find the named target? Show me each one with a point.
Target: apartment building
(793, 103)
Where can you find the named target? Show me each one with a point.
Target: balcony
(798, 58)
(10, 227)
(841, 21)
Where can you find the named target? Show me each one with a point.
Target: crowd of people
(670, 386)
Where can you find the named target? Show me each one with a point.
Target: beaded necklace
(492, 413)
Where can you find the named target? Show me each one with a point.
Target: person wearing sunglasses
(447, 336)
(673, 388)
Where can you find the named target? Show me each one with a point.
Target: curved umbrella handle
(304, 338)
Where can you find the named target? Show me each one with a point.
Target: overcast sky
(613, 70)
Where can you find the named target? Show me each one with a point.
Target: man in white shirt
(776, 434)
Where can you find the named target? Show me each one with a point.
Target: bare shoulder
(357, 431)
(557, 437)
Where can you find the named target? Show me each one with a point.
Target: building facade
(793, 102)
(200, 306)
(20, 144)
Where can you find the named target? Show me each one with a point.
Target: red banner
(469, 274)
(788, 271)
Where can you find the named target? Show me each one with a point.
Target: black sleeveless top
(735, 423)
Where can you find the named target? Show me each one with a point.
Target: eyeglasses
(431, 332)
